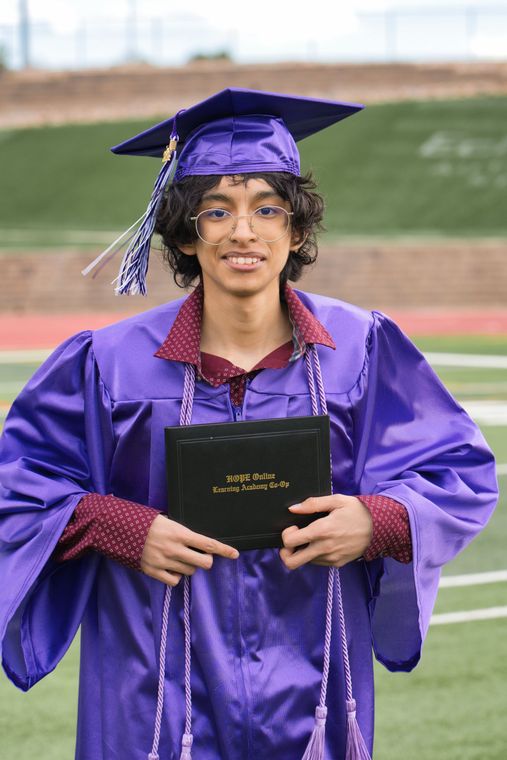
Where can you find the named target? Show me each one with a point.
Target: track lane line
(466, 616)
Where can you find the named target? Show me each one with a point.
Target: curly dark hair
(182, 200)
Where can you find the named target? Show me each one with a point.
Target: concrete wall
(377, 274)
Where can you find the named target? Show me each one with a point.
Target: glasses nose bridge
(235, 222)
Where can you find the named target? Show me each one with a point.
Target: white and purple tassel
(132, 275)
(131, 278)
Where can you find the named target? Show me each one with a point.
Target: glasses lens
(214, 225)
(270, 223)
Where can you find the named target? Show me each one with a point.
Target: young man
(256, 640)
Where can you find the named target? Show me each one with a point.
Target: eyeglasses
(268, 223)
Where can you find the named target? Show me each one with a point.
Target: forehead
(242, 183)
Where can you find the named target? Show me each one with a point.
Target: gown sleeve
(55, 448)
(415, 444)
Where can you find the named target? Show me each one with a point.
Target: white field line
(479, 388)
(466, 360)
(473, 579)
(487, 613)
(486, 412)
(22, 356)
(501, 469)
(59, 236)
(437, 359)
(11, 387)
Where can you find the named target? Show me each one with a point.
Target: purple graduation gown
(92, 419)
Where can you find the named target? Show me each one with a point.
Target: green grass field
(380, 172)
(452, 707)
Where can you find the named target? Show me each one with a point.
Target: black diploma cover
(234, 481)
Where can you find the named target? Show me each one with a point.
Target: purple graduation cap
(235, 131)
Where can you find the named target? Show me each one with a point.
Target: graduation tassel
(131, 278)
(186, 747)
(315, 747)
(356, 748)
(317, 743)
(153, 755)
(132, 275)
(112, 249)
(187, 739)
(355, 745)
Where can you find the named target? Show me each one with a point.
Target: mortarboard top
(302, 117)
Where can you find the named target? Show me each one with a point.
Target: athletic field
(453, 706)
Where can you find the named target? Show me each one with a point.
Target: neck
(244, 329)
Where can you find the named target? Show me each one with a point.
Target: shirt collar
(182, 343)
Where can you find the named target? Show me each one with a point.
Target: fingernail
(295, 506)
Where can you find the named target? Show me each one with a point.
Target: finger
(287, 531)
(210, 545)
(181, 568)
(323, 562)
(293, 560)
(305, 535)
(318, 504)
(170, 579)
(197, 559)
(168, 564)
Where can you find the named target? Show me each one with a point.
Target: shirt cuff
(391, 529)
(114, 527)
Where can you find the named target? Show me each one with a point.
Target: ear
(188, 249)
(297, 240)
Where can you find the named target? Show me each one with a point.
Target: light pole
(132, 31)
(24, 33)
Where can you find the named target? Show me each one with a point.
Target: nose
(242, 228)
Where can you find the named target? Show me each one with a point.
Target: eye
(269, 211)
(215, 214)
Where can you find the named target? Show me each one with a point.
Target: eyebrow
(224, 198)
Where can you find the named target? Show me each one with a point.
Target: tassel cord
(114, 247)
(187, 739)
(161, 674)
(355, 745)
(132, 275)
(185, 419)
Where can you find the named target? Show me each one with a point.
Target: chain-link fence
(76, 39)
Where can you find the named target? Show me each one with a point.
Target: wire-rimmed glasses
(268, 223)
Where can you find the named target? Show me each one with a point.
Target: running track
(48, 330)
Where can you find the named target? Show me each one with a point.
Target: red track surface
(48, 330)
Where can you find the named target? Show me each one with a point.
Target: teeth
(244, 259)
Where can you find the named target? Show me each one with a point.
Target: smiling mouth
(236, 259)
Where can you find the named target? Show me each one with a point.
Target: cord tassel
(132, 275)
(317, 743)
(186, 747)
(131, 278)
(111, 251)
(356, 748)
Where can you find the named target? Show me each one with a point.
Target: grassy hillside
(405, 168)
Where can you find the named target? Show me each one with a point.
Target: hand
(170, 551)
(340, 537)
